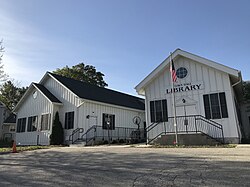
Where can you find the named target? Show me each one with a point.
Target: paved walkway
(126, 166)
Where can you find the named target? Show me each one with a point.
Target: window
(69, 120)
(32, 123)
(215, 106)
(12, 128)
(158, 111)
(181, 72)
(45, 122)
(108, 121)
(21, 125)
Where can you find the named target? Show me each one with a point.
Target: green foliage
(11, 94)
(57, 136)
(84, 73)
(246, 90)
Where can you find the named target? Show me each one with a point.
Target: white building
(81, 107)
(206, 95)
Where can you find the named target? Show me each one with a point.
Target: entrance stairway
(191, 130)
(186, 139)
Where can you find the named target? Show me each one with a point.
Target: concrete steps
(186, 139)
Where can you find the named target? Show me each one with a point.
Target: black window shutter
(72, 120)
(113, 122)
(165, 110)
(223, 105)
(152, 111)
(104, 125)
(66, 121)
(207, 106)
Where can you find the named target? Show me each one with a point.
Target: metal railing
(188, 124)
(97, 133)
(75, 135)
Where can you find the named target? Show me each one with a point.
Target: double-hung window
(158, 111)
(215, 106)
(45, 122)
(108, 121)
(21, 125)
(32, 123)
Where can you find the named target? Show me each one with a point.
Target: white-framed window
(12, 128)
(21, 125)
(215, 105)
(108, 121)
(45, 122)
(32, 123)
(158, 111)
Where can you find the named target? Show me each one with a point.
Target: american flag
(173, 72)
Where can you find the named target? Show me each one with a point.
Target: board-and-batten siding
(123, 117)
(214, 81)
(69, 100)
(34, 107)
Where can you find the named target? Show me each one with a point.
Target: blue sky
(124, 39)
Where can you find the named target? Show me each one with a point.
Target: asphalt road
(126, 166)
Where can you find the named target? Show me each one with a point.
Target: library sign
(185, 87)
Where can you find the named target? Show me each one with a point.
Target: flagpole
(173, 101)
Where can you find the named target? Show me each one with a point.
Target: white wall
(214, 81)
(70, 100)
(123, 116)
(34, 107)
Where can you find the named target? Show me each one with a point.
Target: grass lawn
(24, 148)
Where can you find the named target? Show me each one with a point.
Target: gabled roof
(178, 52)
(91, 92)
(47, 93)
(10, 119)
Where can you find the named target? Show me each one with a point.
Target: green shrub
(57, 135)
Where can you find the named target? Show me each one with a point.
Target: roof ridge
(95, 86)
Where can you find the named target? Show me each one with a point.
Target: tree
(11, 94)
(84, 73)
(246, 90)
(3, 76)
(57, 135)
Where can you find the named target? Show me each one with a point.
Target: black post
(37, 140)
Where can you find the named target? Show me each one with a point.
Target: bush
(57, 135)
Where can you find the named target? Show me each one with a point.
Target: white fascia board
(22, 98)
(46, 96)
(62, 84)
(112, 105)
(140, 87)
(210, 63)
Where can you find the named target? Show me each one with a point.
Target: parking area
(127, 166)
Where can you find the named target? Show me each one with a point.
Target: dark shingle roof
(96, 93)
(10, 119)
(47, 93)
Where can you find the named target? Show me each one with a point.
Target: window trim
(20, 128)
(32, 127)
(112, 121)
(49, 117)
(224, 114)
(153, 110)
